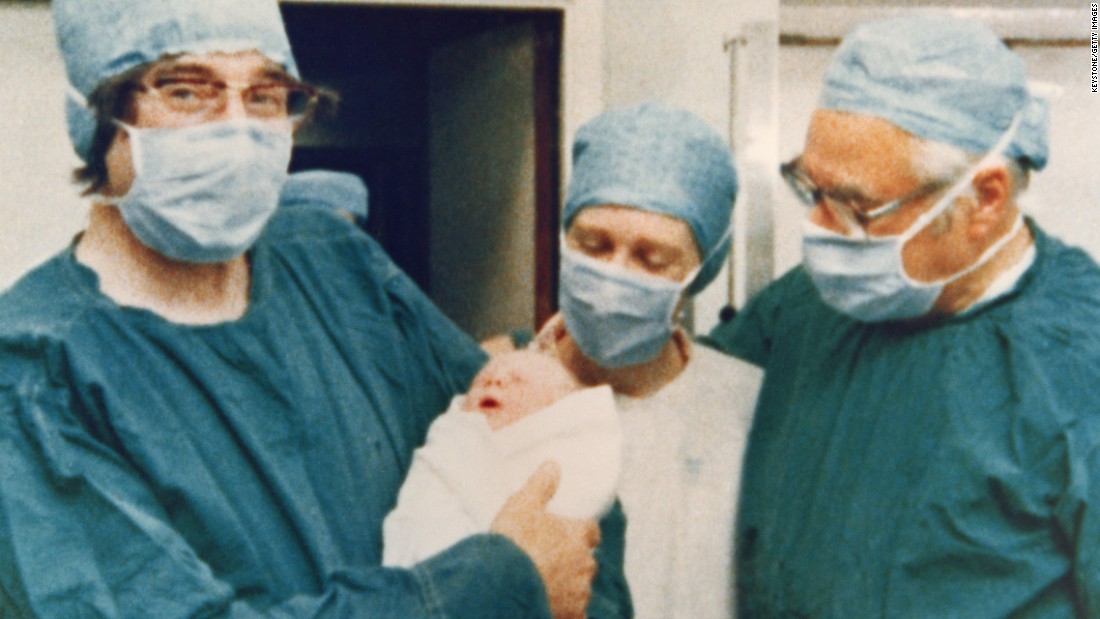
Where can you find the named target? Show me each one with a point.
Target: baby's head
(515, 384)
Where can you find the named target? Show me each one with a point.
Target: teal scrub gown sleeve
(750, 334)
(81, 535)
(1078, 519)
(136, 456)
(1083, 521)
(610, 591)
(448, 357)
(240, 470)
(1077, 509)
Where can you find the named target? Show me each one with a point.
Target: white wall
(40, 209)
(676, 51)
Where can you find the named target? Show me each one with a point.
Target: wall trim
(828, 24)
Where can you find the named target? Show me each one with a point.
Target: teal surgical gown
(945, 471)
(242, 469)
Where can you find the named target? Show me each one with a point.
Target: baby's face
(513, 385)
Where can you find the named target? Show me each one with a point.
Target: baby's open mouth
(488, 403)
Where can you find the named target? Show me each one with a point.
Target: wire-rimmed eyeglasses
(855, 209)
(200, 97)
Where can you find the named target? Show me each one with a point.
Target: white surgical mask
(864, 277)
(204, 193)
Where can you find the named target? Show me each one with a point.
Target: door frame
(579, 96)
(582, 95)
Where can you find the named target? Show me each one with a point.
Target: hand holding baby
(560, 547)
(510, 387)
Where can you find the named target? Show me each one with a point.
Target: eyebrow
(180, 68)
(580, 226)
(171, 68)
(276, 73)
(844, 190)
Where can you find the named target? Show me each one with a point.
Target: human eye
(655, 261)
(591, 244)
(184, 91)
(850, 204)
(267, 99)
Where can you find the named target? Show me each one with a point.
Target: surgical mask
(864, 277)
(618, 317)
(204, 193)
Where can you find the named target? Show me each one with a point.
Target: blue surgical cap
(661, 159)
(326, 190)
(100, 39)
(940, 78)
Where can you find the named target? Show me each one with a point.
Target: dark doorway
(385, 61)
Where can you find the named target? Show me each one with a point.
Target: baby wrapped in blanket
(522, 409)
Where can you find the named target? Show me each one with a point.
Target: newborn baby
(522, 409)
(514, 385)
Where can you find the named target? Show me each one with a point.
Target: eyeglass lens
(272, 100)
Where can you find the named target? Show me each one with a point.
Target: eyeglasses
(200, 98)
(854, 208)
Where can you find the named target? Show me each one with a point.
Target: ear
(993, 189)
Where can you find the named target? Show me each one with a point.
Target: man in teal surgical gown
(207, 403)
(927, 440)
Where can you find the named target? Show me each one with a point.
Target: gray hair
(935, 161)
(941, 162)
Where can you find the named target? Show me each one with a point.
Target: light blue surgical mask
(204, 193)
(864, 276)
(617, 317)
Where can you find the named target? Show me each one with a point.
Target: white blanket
(465, 472)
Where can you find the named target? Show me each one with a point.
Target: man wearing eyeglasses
(927, 439)
(206, 407)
